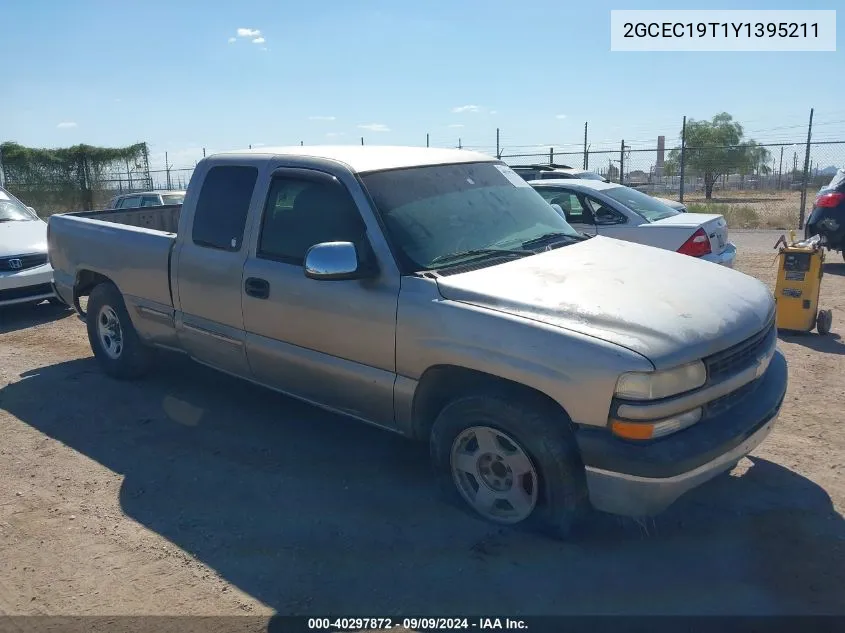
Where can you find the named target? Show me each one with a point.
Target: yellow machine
(800, 270)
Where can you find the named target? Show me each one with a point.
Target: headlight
(661, 384)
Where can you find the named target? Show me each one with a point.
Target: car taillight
(697, 245)
(828, 200)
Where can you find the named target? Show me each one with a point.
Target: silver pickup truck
(435, 294)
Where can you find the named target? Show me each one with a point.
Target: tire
(824, 321)
(552, 498)
(113, 338)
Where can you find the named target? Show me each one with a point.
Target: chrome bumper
(629, 495)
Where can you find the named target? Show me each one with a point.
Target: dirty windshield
(432, 213)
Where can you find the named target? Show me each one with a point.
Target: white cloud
(466, 108)
(258, 40)
(265, 49)
(560, 116)
(248, 32)
(457, 125)
(321, 118)
(375, 127)
(334, 134)
(66, 124)
(492, 111)
(232, 40)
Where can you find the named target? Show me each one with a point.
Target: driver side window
(604, 214)
(301, 212)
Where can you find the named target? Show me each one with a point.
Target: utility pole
(459, 143)
(622, 163)
(683, 157)
(780, 167)
(498, 150)
(586, 153)
(426, 139)
(806, 169)
(362, 140)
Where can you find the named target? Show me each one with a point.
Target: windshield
(435, 211)
(13, 210)
(640, 203)
(172, 198)
(588, 175)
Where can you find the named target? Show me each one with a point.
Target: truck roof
(366, 158)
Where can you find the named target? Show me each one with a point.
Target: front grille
(22, 262)
(740, 356)
(26, 291)
(720, 405)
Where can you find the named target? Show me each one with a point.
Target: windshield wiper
(475, 252)
(553, 237)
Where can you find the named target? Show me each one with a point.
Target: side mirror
(334, 261)
(33, 210)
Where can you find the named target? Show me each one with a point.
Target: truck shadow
(828, 344)
(835, 269)
(20, 317)
(311, 513)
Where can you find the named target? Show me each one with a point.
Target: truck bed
(132, 248)
(164, 218)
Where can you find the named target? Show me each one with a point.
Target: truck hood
(23, 237)
(670, 308)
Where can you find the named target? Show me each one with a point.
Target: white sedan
(25, 274)
(599, 208)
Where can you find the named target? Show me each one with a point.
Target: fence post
(167, 169)
(551, 156)
(780, 167)
(498, 149)
(683, 156)
(622, 163)
(586, 154)
(806, 170)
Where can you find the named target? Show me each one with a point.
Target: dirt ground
(193, 493)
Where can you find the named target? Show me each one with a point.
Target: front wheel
(511, 462)
(113, 338)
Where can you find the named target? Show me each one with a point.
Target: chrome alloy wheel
(494, 474)
(110, 332)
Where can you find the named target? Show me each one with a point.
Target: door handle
(258, 288)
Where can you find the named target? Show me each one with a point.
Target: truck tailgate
(136, 259)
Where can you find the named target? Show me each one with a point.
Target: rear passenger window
(220, 216)
(133, 202)
(150, 201)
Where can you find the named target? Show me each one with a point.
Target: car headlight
(661, 384)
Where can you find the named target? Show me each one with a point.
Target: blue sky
(110, 73)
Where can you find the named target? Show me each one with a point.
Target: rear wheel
(824, 321)
(112, 336)
(510, 461)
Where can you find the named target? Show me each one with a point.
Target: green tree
(716, 147)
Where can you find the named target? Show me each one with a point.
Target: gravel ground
(194, 493)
